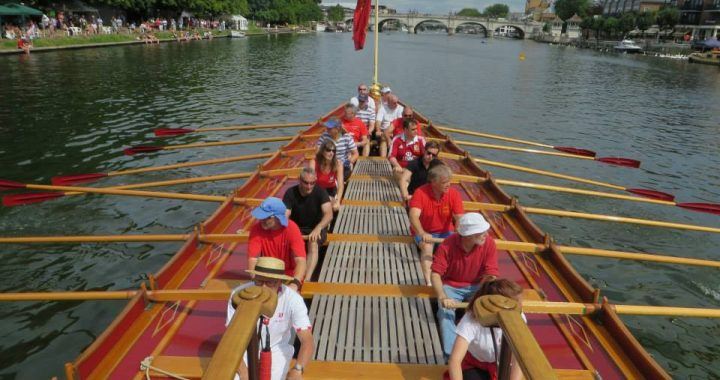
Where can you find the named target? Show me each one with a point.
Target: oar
(566, 149)
(242, 237)
(73, 179)
(619, 161)
(711, 208)
(182, 131)
(29, 198)
(529, 306)
(474, 206)
(642, 192)
(151, 148)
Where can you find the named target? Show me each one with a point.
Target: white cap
(385, 90)
(472, 223)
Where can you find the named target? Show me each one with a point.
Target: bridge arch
(472, 27)
(397, 21)
(512, 31)
(422, 25)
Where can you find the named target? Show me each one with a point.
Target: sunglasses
(433, 155)
(362, 89)
(330, 149)
(408, 116)
(308, 183)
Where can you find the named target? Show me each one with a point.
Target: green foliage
(587, 23)
(546, 27)
(611, 25)
(285, 11)
(469, 12)
(598, 26)
(565, 9)
(497, 10)
(644, 21)
(626, 23)
(336, 13)
(667, 18)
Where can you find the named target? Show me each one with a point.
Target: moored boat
(709, 58)
(627, 46)
(237, 34)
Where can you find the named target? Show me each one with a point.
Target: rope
(146, 366)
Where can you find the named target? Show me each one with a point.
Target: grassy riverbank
(63, 41)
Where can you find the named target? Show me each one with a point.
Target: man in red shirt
(276, 236)
(405, 148)
(354, 126)
(397, 124)
(461, 264)
(433, 209)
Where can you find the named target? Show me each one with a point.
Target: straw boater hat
(270, 267)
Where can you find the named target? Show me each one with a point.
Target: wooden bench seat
(376, 189)
(372, 220)
(373, 168)
(372, 263)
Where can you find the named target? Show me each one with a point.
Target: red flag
(360, 22)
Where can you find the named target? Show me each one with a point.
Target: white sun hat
(472, 223)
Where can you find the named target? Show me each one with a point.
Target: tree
(611, 25)
(547, 28)
(598, 26)
(667, 18)
(586, 25)
(469, 12)
(644, 21)
(336, 13)
(626, 24)
(496, 11)
(565, 9)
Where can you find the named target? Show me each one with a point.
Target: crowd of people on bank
(458, 254)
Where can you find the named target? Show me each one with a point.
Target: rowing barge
(372, 316)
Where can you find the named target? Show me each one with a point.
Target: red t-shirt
(356, 128)
(458, 268)
(436, 215)
(406, 151)
(398, 129)
(325, 180)
(284, 243)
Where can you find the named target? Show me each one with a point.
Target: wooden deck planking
(371, 263)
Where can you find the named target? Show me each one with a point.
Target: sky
(438, 7)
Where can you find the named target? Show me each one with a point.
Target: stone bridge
(453, 23)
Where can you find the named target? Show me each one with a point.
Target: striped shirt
(344, 145)
(367, 115)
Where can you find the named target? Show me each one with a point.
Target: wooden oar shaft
(134, 193)
(516, 149)
(231, 142)
(545, 173)
(252, 127)
(491, 136)
(68, 296)
(94, 239)
(191, 164)
(667, 311)
(568, 250)
(562, 189)
(469, 206)
(620, 219)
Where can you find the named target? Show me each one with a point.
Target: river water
(73, 112)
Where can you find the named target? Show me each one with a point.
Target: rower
(433, 209)
(366, 114)
(415, 173)
(290, 314)
(405, 148)
(345, 149)
(276, 236)
(363, 92)
(355, 126)
(309, 206)
(397, 124)
(462, 263)
(476, 351)
(385, 115)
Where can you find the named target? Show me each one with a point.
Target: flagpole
(376, 83)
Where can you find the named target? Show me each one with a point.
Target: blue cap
(271, 207)
(331, 124)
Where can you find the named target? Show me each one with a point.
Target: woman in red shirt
(329, 169)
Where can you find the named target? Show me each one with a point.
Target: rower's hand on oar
(449, 303)
(398, 169)
(314, 235)
(336, 204)
(427, 238)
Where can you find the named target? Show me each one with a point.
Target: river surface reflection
(74, 111)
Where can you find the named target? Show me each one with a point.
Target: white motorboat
(237, 34)
(628, 46)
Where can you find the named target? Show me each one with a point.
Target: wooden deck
(374, 329)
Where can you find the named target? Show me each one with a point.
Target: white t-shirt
(386, 115)
(290, 312)
(480, 338)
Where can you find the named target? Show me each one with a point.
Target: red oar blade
(28, 198)
(653, 194)
(172, 131)
(619, 161)
(142, 149)
(69, 180)
(8, 185)
(702, 207)
(578, 151)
